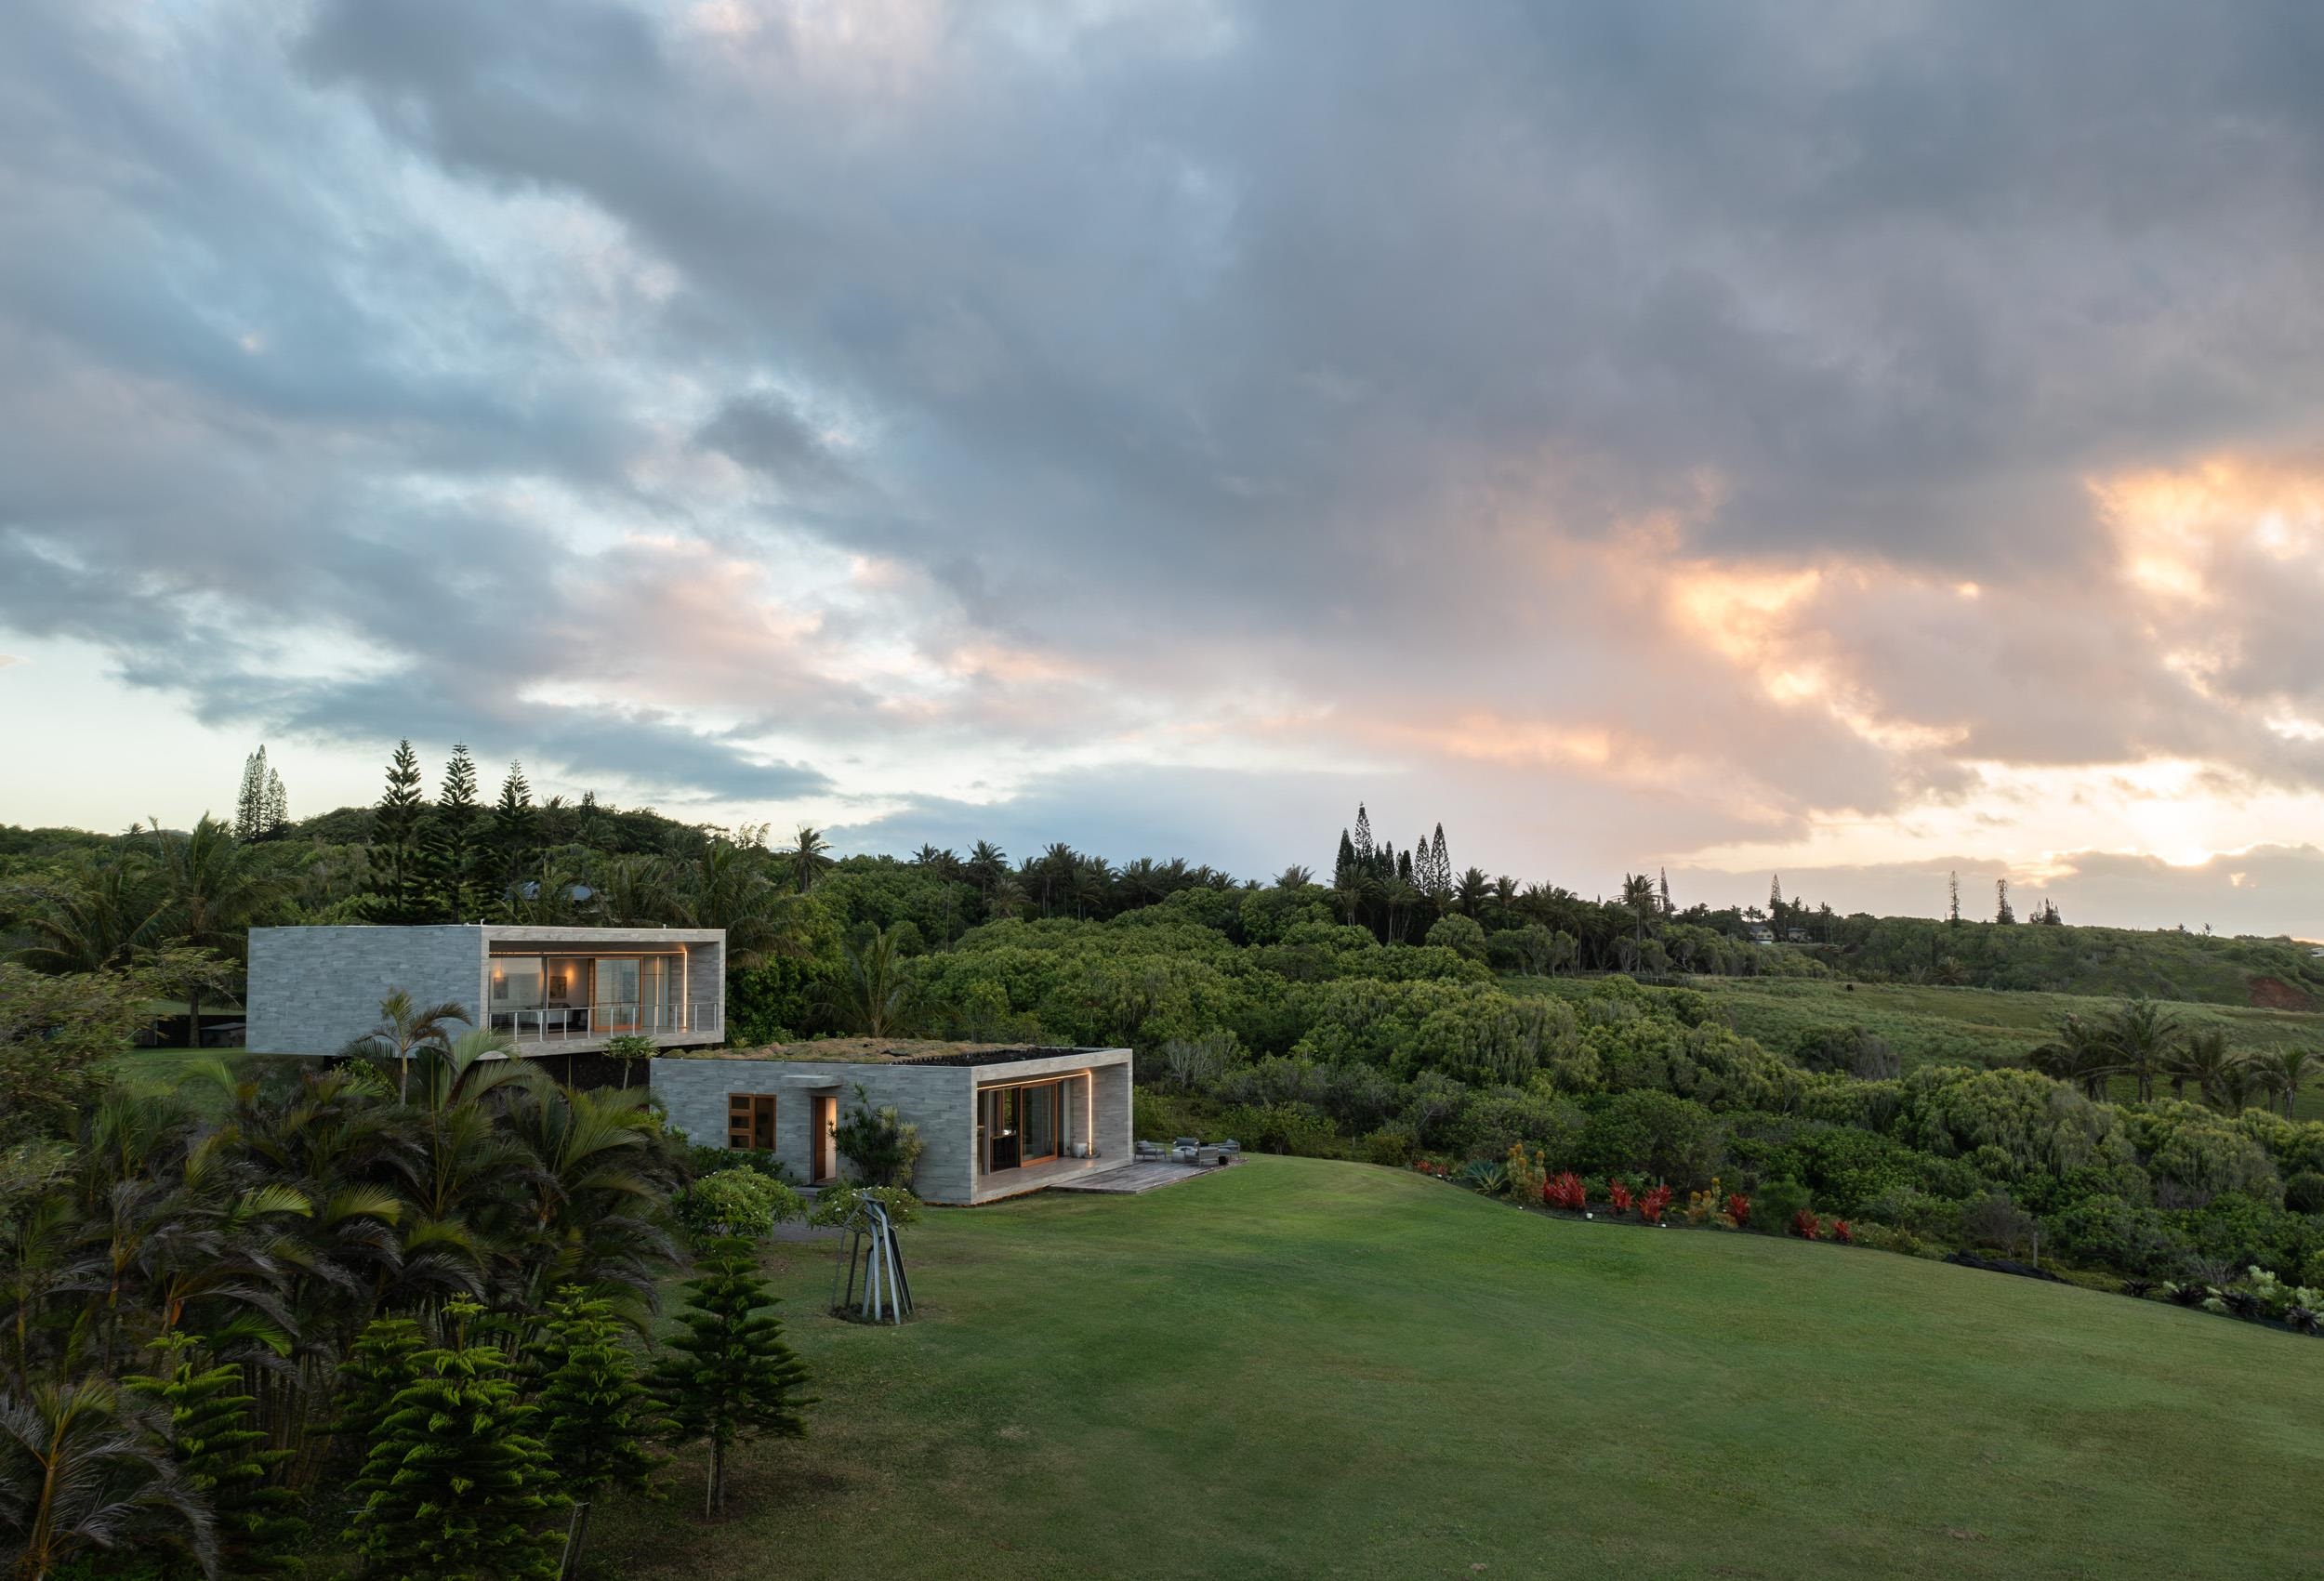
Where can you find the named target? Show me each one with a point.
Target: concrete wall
(941, 1099)
(314, 990)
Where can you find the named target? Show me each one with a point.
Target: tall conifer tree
(395, 890)
(515, 835)
(250, 801)
(1363, 834)
(451, 843)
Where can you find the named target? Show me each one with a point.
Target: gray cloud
(1388, 363)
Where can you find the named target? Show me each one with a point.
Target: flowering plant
(1650, 1206)
(1567, 1192)
(1806, 1225)
(1619, 1194)
(1738, 1208)
(1841, 1233)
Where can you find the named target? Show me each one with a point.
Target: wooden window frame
(745, 1113)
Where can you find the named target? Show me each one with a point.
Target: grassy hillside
(2161, 964)
(1968, 1026)
(1309, 1368)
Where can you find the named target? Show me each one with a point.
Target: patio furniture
(1184, 1149)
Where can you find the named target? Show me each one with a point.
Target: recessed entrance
(822, 1152)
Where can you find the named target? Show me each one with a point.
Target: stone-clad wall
(939, 1098)
(314, 990)
(936, 1097)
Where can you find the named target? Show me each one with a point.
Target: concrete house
(996, 1122)
(553, 990)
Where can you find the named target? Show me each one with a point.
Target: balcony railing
(564, 1023)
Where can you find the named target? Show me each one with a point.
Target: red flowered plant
(1806, 1225)
(1738, 1208)
(1567, 1192)
(1618, 1194)
(1650, 1206)
(1430, 1167)
(1841, 1233)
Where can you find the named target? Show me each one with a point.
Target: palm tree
(405, 1030)
(987, 865)
(634, 891)
(214, 887)
(2144, 1037)
(1639, 901)
(2202, 1057)
(1052, 872)
(808, 857)
(1007, 898)
(874, 993)
(726, 886)
(1295, 877)
(1470, 892)
(2084, 1055)
(106, 914)
(1093, 886)
(81, 1468)
(2282, 1074)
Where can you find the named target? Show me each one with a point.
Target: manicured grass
(1311, 1368)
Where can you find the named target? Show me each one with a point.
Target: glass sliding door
(616, 1003)
(1040, 1122)
(657, 994)
(1017, 1126)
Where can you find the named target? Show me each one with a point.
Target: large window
(550, 996)
(1021, 1124)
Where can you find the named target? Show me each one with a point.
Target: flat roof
(888, 1051)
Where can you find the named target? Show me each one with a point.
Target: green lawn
(1313, 1368)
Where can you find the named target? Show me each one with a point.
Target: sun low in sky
(1855, 442)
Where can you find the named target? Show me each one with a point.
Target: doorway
(823, 1149)
(1020, 1124)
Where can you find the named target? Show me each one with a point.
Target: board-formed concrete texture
(315, 990)
(939, 1098)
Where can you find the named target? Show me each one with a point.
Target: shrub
(1996, 1222)
(835, 1203)
(1777, 1205)
(1882, 1238)
(736, 1202)
(1390, 1145)
(1296, 1129)
(1565, 1191)
(1842, 1232)
(1525, 1176)
(717, 1160)
(1656, 1134)
(2113, 1234)
(1617, 1195)
(1650, 1205)
(1739, 1208)
(2304, 1192)
(1806, 1225)
(884, 1149)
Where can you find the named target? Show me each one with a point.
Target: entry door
(823, 1162)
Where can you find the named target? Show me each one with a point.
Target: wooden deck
(1141, 1175)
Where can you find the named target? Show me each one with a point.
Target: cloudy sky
(1853, 441)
